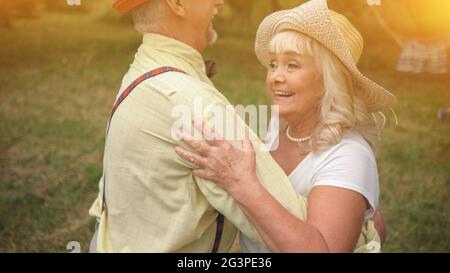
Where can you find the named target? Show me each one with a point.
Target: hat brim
(326, 32)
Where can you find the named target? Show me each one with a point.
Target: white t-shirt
(349, 164)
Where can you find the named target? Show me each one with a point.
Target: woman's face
(294, 83)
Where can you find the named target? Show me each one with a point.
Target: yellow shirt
(154, 203)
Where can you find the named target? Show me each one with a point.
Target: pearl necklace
(294, 139)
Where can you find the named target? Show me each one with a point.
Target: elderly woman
(327, 138)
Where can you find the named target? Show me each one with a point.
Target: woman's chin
(284, 111)
(286, 106)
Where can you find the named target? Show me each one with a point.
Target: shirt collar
(161, 43)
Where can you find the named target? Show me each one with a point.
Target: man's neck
(174, 29)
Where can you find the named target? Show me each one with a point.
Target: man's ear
(178, 7)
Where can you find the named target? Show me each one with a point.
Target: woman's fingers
(204, 174)
(247, 146)
(208, 133)
(201, 162)
(196, 144)
(191, 157)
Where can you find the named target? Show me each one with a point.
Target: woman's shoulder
(350, 164)
(356, 139)
(352, 145)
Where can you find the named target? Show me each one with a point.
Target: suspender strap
(138, 81)
(219, 231)
(122, 97)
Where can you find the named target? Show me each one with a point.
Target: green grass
(59, 75)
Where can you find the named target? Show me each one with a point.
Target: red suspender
(122, 97)
(138, 81)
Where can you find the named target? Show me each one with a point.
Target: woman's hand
(232, 169)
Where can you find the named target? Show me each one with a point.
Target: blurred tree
(5, 14)
(274, 5)
(52, 5)
(241, 8)
(24, 8)
(417, 19)
(16, 9)
(431, 17)
(62, 5)
(103, 11)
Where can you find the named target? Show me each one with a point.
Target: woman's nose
(277, 76)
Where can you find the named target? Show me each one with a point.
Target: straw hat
(334, 32)
(127, 5)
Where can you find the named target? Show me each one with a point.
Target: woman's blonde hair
(342, 108)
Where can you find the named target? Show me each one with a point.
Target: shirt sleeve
(351, 166)
(268, 171)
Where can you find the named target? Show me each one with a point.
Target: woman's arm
(335, 215)
(335, 218)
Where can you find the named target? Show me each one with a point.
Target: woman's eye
(293, 66)
(272, 66)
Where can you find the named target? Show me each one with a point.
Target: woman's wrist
(246, 190)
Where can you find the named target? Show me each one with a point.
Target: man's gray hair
(147, 16)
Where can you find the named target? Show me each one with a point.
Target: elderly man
(149, 201)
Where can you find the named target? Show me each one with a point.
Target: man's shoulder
(178, 81)
(171, 88)
(166, 82)
(186, 89)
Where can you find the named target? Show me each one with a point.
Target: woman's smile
(282, 97)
